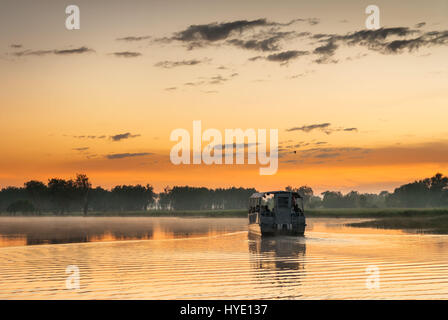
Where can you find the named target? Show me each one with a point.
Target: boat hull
(297, 228)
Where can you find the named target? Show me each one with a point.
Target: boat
(276, 213)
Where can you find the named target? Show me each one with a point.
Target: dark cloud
(16, 46)
(266, 41)
(79, 50)
(81, 149)
(325, 127)
(285, 56)
(127, 54)
(171, 89)
(173, 64)
(385, 41)
(217, 31)
(133, 38)
(256, 58)
(127, 155)
(197, 36)
(326, 51)
(73, 51)
(311, 127)
(420, 25)
(233, 146)
(123, 136)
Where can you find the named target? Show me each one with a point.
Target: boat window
(283, 202)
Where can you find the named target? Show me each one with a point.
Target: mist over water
(206, 258)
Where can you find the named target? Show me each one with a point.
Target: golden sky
(362, 110)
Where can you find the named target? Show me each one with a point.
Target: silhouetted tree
(165, 199)
(306, 193)
(23, 206)
(37, 192)
(83, 186)
(62, 192)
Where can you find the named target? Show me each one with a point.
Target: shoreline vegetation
(242, 213)
(422, 204)
(427, 220)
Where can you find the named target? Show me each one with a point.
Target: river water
(209, 258)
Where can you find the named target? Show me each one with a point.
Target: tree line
(428, 192)
(62, 196)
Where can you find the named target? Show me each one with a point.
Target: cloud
(420, 25)
(217, 31)
(232, 146)
(197, 36)
(311, 127)
(81, 149)
(171, 89)
(123, 136)
(193, 84)
(326, 51)
(127, 54)
(385, 41)
(16, 46)
(133, 38)
(89, 137)
(173, 64)
(127, 155)
(217, 80)
(286, 56)
(434, 153)
(327, 155)
(303, 74)
(265, 41)
(63, 52)
(325, 127)
(283, 57)
(73, 51)
(322, 154)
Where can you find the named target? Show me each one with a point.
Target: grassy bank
(437, 224)
(376, 213)
(312, 213)
(424, 220)
(151, 213)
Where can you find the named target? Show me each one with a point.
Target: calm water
(205, 258)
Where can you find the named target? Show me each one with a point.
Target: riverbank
(427, 224)
(415, 220)
(242, 213)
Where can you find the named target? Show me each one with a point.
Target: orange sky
(386, 110)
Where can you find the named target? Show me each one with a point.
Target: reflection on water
(205, 258)
(277, 253)
(17, 231)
